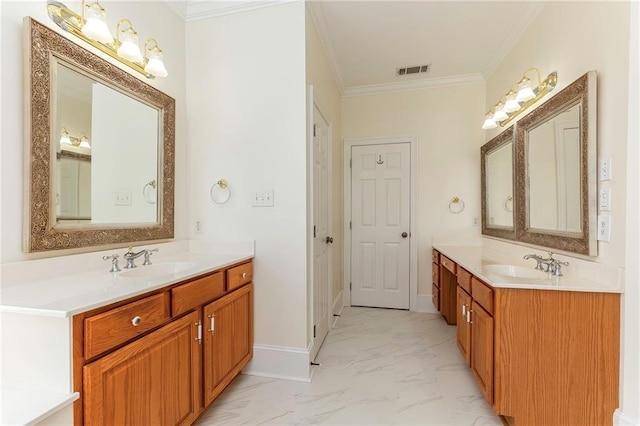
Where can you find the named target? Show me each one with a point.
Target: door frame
(314, 103)
(413, 211)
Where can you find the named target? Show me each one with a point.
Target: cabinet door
(228, 339)
(155, 380)
(463, 329)
(482, 349)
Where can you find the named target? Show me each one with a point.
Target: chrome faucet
(114, 262)
(130, 256)
(553, 266)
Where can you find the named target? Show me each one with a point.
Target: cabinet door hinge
(314, 231)
(349, 224)
(350, 286)
(314, 331)
(314, 130)
(350, 163)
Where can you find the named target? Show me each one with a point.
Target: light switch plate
(605, 169)
(604, 203)
(604, 227)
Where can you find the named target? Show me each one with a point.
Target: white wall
(573, 38)
(246, 102)
(151, 19)
(329, 98)
(445, 121)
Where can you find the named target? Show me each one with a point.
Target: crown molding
(178, 7)
(510, 40)
(198, 10)
(404, 86)
(317, 16)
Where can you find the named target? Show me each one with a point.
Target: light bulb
(499, 113)
(129, 48)
(95, 27)
(84, 142)
(155, 66)
(525, 92)
(489, 122)
(511, 105)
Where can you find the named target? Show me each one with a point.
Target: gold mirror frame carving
(581, 92)
(40, 234)
(502, 139)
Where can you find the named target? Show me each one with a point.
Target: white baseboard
(622, 419)
(279, 362)
(423, 304)
(336, 309)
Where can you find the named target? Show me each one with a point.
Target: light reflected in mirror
(553, 162)
(498, 198)
(121, 160)
(100, 150)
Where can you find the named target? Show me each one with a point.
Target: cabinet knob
(244, 275)
(136, 321)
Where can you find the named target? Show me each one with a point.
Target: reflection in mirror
(497, 186)
(123, 157)
(556, 171)
(100, 150)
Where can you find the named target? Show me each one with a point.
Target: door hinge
(314, 130)
(350, 162)
(314, 231)
(350, 286)
(314, 331)
(349, 224)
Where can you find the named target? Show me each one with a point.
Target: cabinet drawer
(435, 256)
(435, 297)
(196, 293)
(448, 263)
(464, 279)
(435, 274)
(239, 275)
(108, 329)
(483, 294)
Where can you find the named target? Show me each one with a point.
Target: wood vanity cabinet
(541, 357)
(448, 289)
(162, 358)
(435, 279)
(227, 340)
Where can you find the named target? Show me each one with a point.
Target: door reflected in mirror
(499, 170)
(104, 180)
(553, 165)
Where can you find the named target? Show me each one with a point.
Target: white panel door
(322, 239)
(380, 220)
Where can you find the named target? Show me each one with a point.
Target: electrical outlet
(604, 227)
(197, 226)
(605, 200)
(262, 198)
(475, 221)
(605, 169)
(123, 198)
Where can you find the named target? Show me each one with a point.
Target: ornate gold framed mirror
(498, 198)
(556, 171)
(95, 137)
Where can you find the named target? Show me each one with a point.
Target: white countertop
(21, 406)
(70, 294)
(475, 258)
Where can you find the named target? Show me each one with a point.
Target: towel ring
(456, 201)
(508, 207)
(217, 189)
(148, 195)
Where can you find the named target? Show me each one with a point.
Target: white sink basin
(157, 270)
(514, 271)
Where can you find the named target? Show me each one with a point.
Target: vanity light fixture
(517, 102)
(78, 141)
(94, 31)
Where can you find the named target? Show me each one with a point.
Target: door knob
(404, 235)
(328, 240)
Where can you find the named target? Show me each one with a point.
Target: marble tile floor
(377, 367)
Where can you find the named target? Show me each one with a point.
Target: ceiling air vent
(418, 69)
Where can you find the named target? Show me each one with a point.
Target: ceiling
(366, 41)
